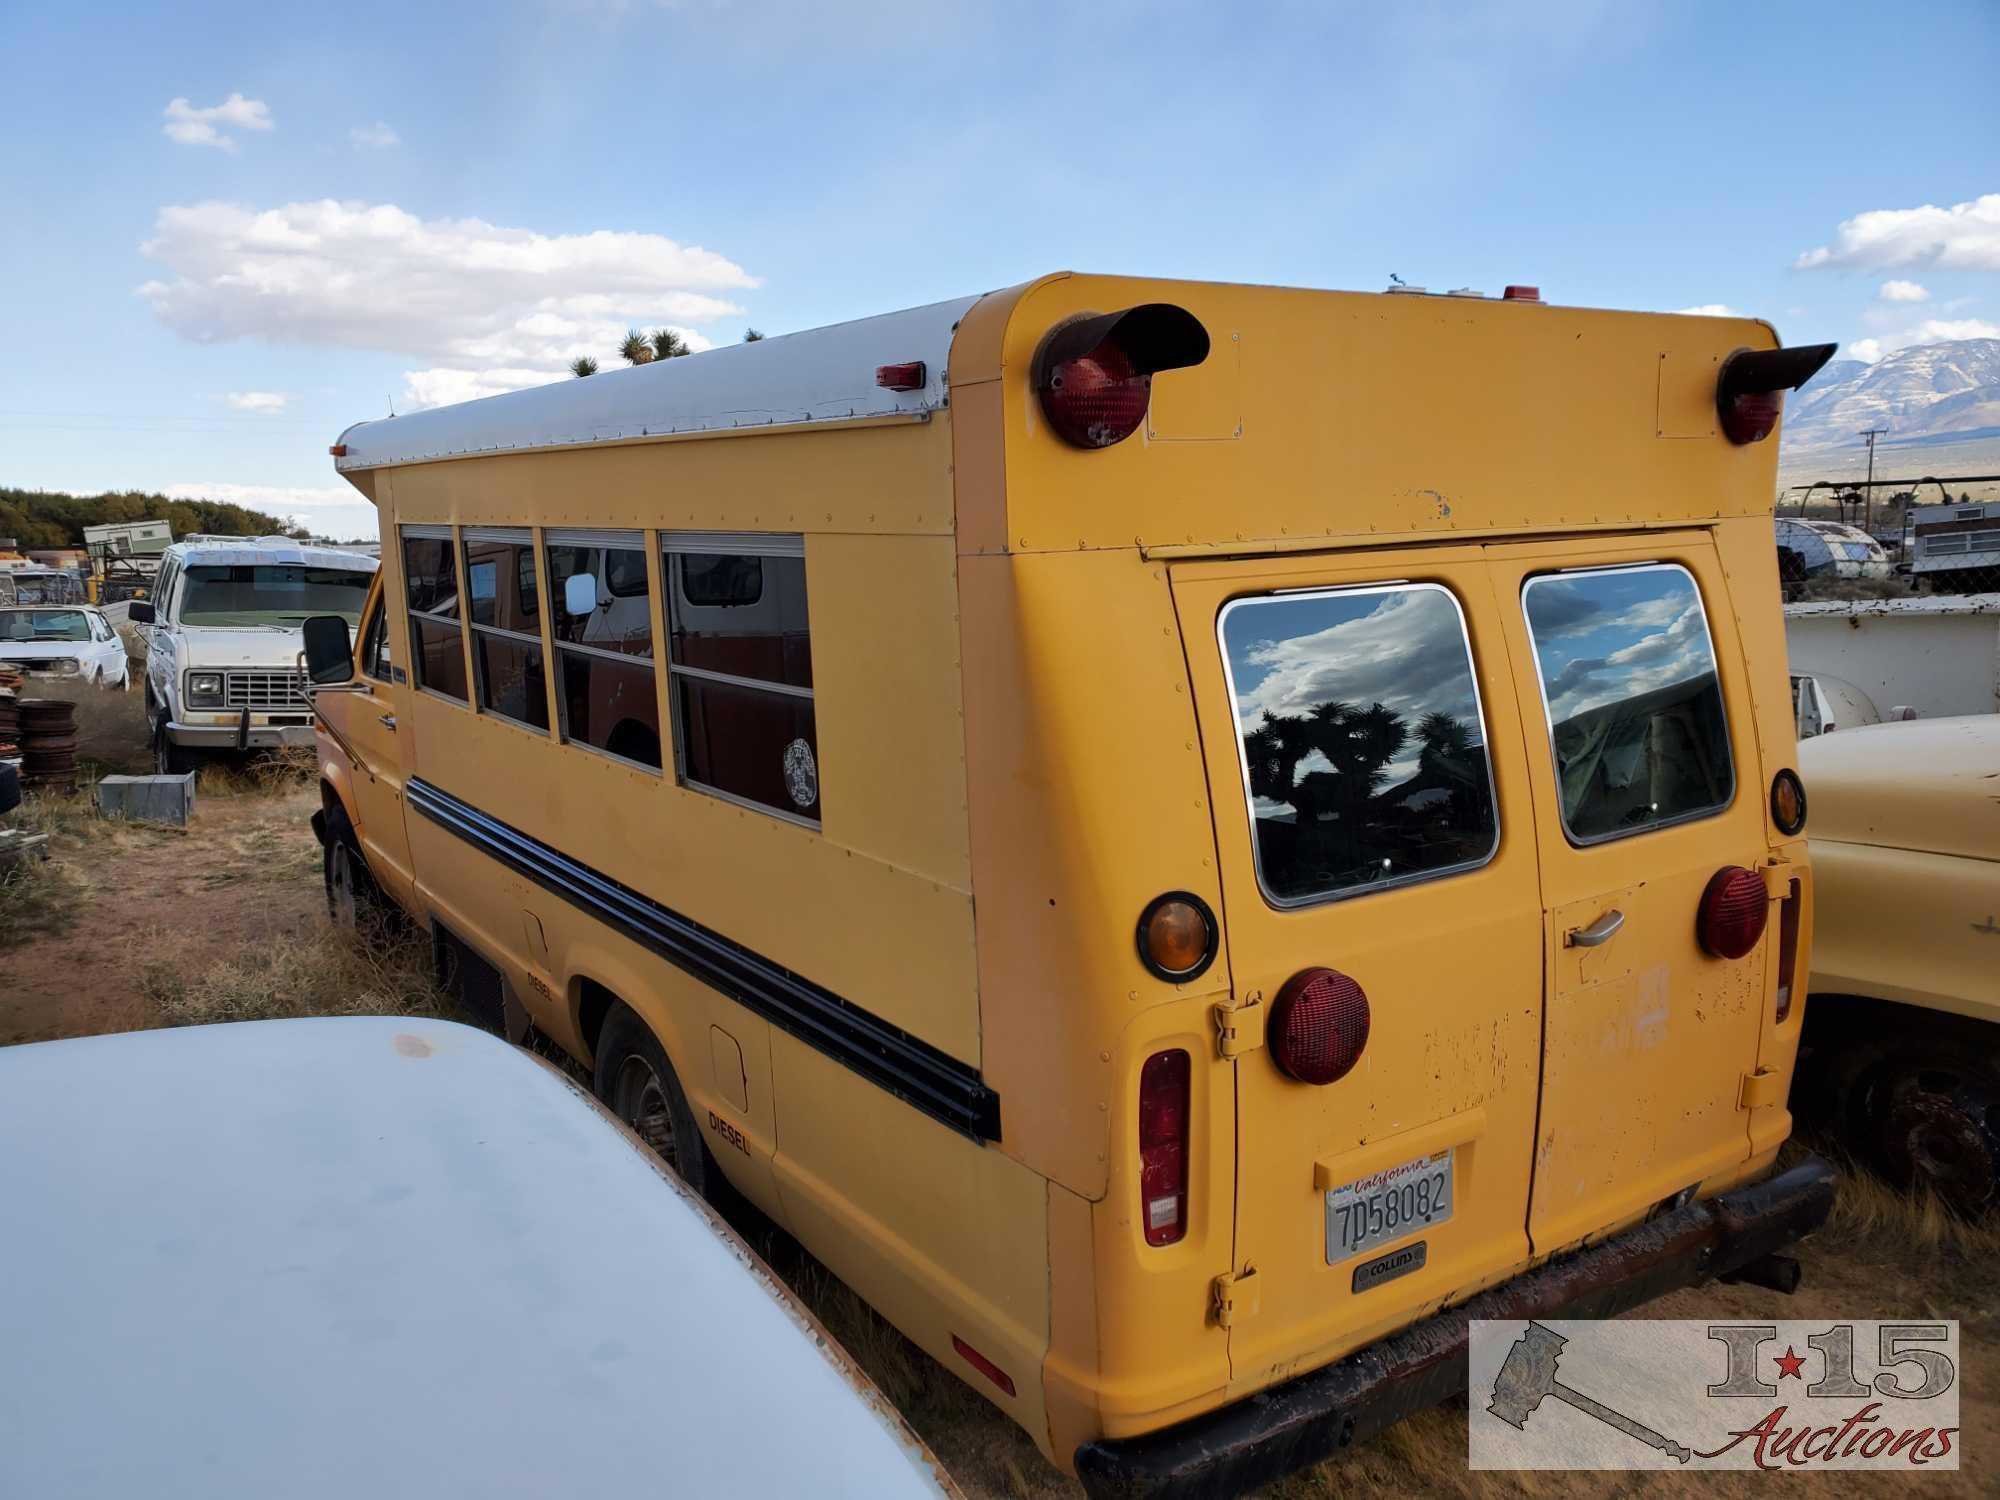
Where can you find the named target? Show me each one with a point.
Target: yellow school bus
(1184, 839)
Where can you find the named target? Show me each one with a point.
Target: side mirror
(580, 593)
(329, 654)
(139, 612)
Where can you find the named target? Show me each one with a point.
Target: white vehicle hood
(46, 650)
(210, 648)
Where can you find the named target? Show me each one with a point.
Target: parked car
(67, 641)
(222, 641)
(1901, 1055)
(389, 1257)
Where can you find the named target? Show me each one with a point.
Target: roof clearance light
(1522, 294)
(903, 377)
(1750, 390)
(338, 450)
(1094, 373)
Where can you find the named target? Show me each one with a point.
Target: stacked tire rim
(10, 725)
(48, 743)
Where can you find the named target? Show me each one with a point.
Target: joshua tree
(637, 349)
(582, 366)
(751, 336)
(667, 345)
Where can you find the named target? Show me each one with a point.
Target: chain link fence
(1890, 541)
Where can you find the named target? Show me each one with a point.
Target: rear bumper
(1314, 1416)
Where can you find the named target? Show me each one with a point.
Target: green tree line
(46, 518)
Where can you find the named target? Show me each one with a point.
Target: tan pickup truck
(1902, 1032)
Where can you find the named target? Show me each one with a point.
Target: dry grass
(264, 773)
(327, 973)
(36, 896)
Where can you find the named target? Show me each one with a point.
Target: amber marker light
(1177, 936)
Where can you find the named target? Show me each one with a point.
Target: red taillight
(903, 377)
(1749, 418)
(1733, 912)
(1750, 389)
(1096, 399)
(1318, 1026)
(1163, 1142)
(1094, 372)
(1788, 949)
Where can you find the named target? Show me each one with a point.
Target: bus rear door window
(1635, 711)
(1363, 741)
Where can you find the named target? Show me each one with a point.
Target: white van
(222, 641)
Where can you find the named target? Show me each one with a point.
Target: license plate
(1387, 1205)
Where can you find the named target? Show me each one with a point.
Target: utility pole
(1868, 495)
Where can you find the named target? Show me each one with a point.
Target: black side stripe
(913, 1070)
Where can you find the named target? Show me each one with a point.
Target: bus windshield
(271, 593)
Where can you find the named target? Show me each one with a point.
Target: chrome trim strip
(755, 684)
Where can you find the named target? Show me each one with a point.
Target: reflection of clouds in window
(1645, 631)
(1361, 740)
(1403, 650)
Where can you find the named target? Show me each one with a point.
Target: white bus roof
(794, 380)
(388, 1257)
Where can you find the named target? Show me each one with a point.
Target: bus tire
(353, 900)
(636, 1083)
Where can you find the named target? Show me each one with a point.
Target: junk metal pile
(37, 736)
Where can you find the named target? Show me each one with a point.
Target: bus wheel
(638, 1084)
(352, 900)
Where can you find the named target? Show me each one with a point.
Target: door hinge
(1778, 877)
(1236, 1295)
(1765, 1086)
(1239, 1024)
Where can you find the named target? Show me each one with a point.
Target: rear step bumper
(1314, 1416)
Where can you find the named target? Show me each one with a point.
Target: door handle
(388, 721)
(1598, 933)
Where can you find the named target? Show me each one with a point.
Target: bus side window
(375, 644)
(430, 568)
(739, 655)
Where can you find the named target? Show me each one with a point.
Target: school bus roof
(799, 379)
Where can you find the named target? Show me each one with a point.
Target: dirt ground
(130, 926)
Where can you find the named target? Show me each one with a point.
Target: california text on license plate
(1387, 1205)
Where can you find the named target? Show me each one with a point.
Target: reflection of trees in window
(1349, 826)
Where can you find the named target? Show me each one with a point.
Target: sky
(236, 229)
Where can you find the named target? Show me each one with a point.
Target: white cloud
(1964, 237)
(1711, 310)
(1904, 291)
(378, 135)
(259, 401)
(487, 307)
(1930, 331)
(190, 126)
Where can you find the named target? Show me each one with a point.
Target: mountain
(1929, 392)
